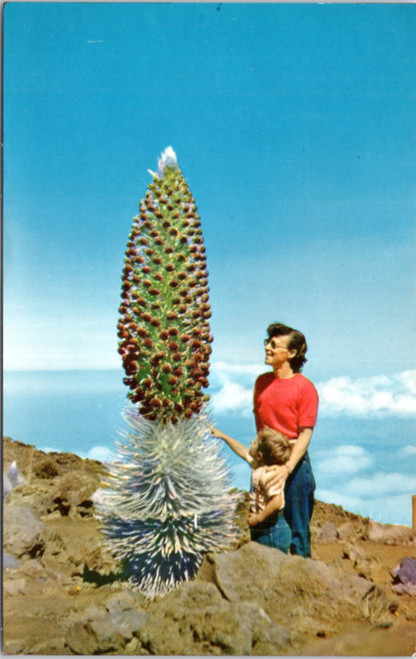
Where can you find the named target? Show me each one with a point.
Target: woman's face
(277, 351)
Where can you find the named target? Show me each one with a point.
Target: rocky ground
(63, 593)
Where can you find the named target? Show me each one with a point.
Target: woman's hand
(275, 476)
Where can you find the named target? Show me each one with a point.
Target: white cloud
(378, 396)
(233, 396)
(349, 502)
(383, 483)
(347, 477)
(374, 396)
(101, 453)
(387, 508)
(344, 460)
(408, 451)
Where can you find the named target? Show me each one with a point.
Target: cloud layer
(233, 386)
(101, 453)
(345, 460)
(380, 395)
(376, 396)
(359, 480)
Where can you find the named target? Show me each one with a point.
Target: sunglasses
(274, 345)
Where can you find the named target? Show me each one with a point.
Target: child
(267, 523)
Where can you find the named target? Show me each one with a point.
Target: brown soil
(397, 639)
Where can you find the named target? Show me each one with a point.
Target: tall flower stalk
(164, 330)
(166, 500)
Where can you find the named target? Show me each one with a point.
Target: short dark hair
(274, 446)
(297, 342)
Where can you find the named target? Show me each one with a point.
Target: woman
(287, 401)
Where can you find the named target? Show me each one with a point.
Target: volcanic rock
(405, 577)
(65, 594)
(390, 534)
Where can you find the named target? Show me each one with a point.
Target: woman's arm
(279, 473)
(300, 447)
(234, 444)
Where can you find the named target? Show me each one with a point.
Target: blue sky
(294, 125)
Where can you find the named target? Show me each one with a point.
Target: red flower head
(165, 273)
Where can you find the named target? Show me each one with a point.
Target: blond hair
(274, 446)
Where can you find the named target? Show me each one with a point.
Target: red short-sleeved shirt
(286, 404)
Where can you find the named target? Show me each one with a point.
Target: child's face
(254, 452)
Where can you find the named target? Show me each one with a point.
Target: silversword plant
(166, 501)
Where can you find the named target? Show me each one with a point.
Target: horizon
(377, 394)
(80, 411)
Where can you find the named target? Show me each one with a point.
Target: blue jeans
(299, 496)
(275, 534)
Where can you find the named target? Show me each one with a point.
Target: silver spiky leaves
(166, 503)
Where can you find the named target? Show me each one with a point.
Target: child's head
(273, 446)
